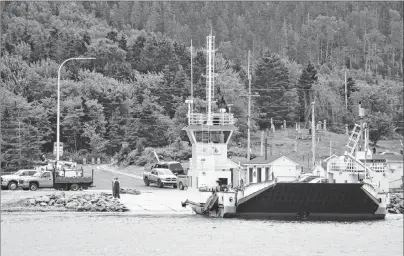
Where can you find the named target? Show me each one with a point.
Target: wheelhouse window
(211, 136)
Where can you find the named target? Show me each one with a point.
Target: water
(72, 234)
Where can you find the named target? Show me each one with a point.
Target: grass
(283, 143)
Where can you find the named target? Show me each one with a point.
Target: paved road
(102, 180)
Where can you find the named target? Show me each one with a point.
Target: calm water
(72, 234)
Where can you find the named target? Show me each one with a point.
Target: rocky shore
(132, 191)
(396, 204)
(102, 202)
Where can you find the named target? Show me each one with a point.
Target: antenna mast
(249, 109)
(192, 85)
(210, 75)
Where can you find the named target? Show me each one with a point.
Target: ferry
(355, 188)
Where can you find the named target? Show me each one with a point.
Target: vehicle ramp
(254, 190)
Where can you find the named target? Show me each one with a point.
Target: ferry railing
(216, 118)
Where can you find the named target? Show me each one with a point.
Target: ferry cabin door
(250, 175)
(235, 174)
(259, 175)
(232, 176)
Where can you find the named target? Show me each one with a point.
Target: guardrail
(216, 118)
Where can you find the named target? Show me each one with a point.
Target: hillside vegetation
(134, 92)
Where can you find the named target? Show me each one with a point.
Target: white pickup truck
(11, 181)
(161, 177)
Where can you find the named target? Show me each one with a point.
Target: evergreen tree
(152, 20)
(136, 15)
(122, 43)
(351, 87)
(112, 35)
(271, 80)
(308, 77)
(134, 55)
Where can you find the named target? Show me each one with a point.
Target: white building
(281, 168)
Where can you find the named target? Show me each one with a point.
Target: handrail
(216, 118)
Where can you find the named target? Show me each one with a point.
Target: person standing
(116, 188)
(113, 187)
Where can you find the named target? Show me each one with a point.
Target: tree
(152, 20)
(308, 77)
(122, 43)
(112, 35)
(115, 133)
(136, 15)
(379, 126)
(271, 80)
(97, 142)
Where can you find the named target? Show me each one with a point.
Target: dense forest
(135, 90)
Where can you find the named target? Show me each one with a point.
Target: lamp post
(58, 104)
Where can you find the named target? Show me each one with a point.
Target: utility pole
(249, 109)
(346, 94)
(19, 138)
(361, 114)
(330, 148)
(262, 143)
(313, 133)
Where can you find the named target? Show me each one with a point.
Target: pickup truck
(11, 181)
(49, 179)
(161, 177)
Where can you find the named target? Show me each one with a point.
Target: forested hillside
(136, 88)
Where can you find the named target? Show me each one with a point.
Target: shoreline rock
(102, 202)
(132, 191)
(396, 205)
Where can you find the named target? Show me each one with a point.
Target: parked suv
(11, 181)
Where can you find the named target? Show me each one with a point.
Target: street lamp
(58, 107)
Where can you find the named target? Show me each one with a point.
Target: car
(319, 180)
(161, 177)
(11, 181)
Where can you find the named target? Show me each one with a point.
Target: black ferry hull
(310, 201)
